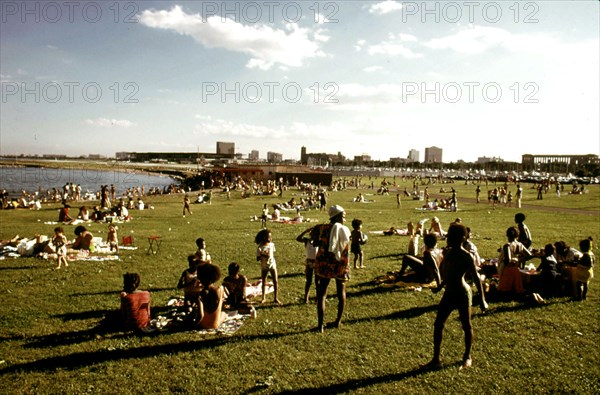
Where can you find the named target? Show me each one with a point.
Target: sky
(379, 78)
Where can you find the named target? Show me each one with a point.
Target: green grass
(47, 318)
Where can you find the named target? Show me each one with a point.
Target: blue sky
(379, 78)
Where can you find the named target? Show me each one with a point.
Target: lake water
(31, 179)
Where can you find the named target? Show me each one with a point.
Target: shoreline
(99, 165)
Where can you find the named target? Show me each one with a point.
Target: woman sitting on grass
(84, 240)
(135, 304)
(210, 315)
(512, 255)
(427, 269)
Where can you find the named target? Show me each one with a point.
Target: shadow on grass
(113, 292)
(353, 385)
(519, 306)
(83, 359)
(17, 267)
(407, 314)
(375, 289)
(396, 256)
(85, 315)
(291, 275)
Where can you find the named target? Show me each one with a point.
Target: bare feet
(263, 300)
(466, 364)
(277, 301)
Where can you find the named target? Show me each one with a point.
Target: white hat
(335, 210)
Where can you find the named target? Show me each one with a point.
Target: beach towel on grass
(255, 289)
(174, 317)
(391, 280)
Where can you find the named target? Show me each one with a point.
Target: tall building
(225, 148)
(274, 157)
(413, 155)
(253, 155)
(433, 155)
(303, 156)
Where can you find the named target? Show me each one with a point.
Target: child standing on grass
(264, 216)
(265, 255)
(357, 238)
(201, 255)
(306, 237)
(112, 238)
(584, 271)
(186, 205)
(524, 233)
(60, 243)
(456, 264)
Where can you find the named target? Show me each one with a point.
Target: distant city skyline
(376, 78)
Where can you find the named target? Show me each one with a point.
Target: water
(32, 179)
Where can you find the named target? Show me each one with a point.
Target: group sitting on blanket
(563, 271)
(204, 301)
(437, 204)
(119, 212)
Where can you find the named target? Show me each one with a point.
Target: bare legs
(309, 273)
(273, 273)
(322, 285)
(445, 308)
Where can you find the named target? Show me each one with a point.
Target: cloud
(396, 45)
(385, 7)
(110, 123)
(372, 69)
(478, 39)
(265, 45)
(360, 45)
(295, 131)
(219, 127)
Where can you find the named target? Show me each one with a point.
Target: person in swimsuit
(456, 264)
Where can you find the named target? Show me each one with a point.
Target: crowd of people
(562, 270)
(72, 193)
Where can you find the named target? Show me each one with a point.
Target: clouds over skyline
(376, 77)
(385, 7)
(110, 123)
(265, 45)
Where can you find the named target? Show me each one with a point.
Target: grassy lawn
(48, 318)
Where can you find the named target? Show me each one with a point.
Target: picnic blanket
(175, 317)
(255, 289)
(392, 279)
